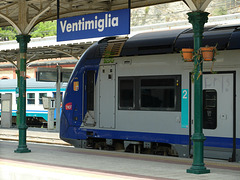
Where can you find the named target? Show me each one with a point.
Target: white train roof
(30, 84)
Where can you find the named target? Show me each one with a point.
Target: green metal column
(198, 19)
(22, 146)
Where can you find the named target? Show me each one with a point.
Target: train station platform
(58, 161)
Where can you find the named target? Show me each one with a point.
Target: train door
(88, 108)
(218, 115)
(107, 96)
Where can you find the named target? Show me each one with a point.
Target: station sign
(51, 74)
(46, 74)
(110, 23)
(66, 74)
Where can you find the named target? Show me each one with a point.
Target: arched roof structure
(23, 15)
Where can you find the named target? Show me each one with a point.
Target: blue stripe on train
(77, 133)
(43, 114)
(33, 113)
(37, 111)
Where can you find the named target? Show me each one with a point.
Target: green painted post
(22, 146)
(198, 19)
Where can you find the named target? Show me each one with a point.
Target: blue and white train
(136, 94)
(35, 112)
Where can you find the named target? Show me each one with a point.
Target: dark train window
(30, 98)
(41, 95)
(210, 109)
(151, 93)
(126, 88)
(158, 93)
(90, 90)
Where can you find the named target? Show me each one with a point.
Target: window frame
(89, 89)
(137, 92)
(31, 99)
(40, 100)
(119, 93)
(210, 124)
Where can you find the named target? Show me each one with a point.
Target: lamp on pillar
(198, 19)
(23, 40)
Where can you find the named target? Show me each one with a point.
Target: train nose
(63, 125)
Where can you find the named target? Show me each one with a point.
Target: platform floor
(48, 161)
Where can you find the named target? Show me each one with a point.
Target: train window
(161, 93)
(30, 98)
(90, 90)
(41, 95)
(209, 109)
(126, 94)
(158, 93)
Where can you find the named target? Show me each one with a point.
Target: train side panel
(152, 125)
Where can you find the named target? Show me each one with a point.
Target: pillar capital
(198, 19)
(23, 40)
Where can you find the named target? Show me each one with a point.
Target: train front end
(79, 93)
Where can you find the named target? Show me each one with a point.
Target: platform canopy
(34, 11)
(44, 48)
(23, 15)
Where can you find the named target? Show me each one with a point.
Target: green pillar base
(198, 170)
(22, 146)
(22, 150)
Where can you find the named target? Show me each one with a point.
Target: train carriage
(137, 94)
(35, 112)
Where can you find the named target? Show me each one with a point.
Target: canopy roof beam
(64, 52)
(197, 5)
(11, 61)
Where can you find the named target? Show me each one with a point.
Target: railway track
(33, 136)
